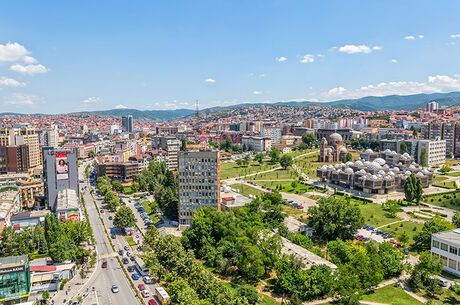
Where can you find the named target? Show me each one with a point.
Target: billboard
(62, 167)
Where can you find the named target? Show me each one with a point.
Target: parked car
(148, 279)
(152, 302)
(132, 258)
(131, 268)
(443, 283)
(110, 217)
(102, 211)
(127, 248)
(120, 252)
(359, 237)
(112, 236)
(125, 260)
(129, 253)
(114, 288)
(406, 251)
(135, 276)
(145, 293)
(104, 264)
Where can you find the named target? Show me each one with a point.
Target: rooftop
(12, 261)
(452, 236)
(67, 199)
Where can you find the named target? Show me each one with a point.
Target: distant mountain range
(368, 103)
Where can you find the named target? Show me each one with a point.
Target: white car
(115, 289)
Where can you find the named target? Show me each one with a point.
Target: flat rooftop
(67, 199)
(12, 261)
(452, 236)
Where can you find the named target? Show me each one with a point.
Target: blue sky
(57, 56)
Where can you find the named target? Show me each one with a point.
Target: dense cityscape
(229, 153)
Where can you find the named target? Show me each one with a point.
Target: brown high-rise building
(14, 159)
(17, 136)
(199, 183)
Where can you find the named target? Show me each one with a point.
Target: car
(393, 241)
(102, 211)
(112, 236)
(132, 258)
(135, 276)
(110, 217)
(104, 264)
(406, 251)
(131, 268)
(398, 245)
(120, 252)
(129, 253)
(248, 182)
(147, 279)
(152, 302)
(115, 288)
(269, 189)
(127, 248)
(359, 237)
(300, 207)
(443, 282)
(141, 287)
(125, 260)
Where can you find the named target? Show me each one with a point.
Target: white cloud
(455, 36)
(281, 59)
(29, 60)
(12, 52)
(256, 92)
(121, 107)
(354, 49)
(210, 80)
(394, 61)
(20, 99)
(91, 100)
(409, 37)
(437, 83)
(320, 55)
(29, 69)
(9, 82)
(262, 75)
(307, 58)
(421, 36)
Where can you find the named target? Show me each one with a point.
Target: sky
(68, 56)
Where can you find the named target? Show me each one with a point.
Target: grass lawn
(408, 227)
(446, 185)
(309, 164)
(263, 299)
(231, 170)
(375, 216)
(279, 174)
(390, 295)
(294, 212)
(127, 190)
(130, 241)
(453, 174)
(246, 190)
(440, 178)
(451, 201)
(446, 297)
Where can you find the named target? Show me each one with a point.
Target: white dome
(386, 166)
(389, 177)
(425, 171)
(374, 177)
(330, 166)
(349, 163)
(359, 163)
(395, 169)
(387, 151)
(408, 173)
(381, 172)
(393, 152)
(362, 171)
(419, 175)
(412, 167)
(368, 151)
(338, 165)
(380, 161)
(406, 155)
(366, 163)
(323, 168)
(374, 165)
(391, 173)
(349, 170)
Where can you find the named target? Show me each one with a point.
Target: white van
(145, 293)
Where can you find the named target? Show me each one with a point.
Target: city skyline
(92, 56)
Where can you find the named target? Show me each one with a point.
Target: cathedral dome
(335, 137)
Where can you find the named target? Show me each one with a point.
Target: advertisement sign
(72, 214)
(62, 167)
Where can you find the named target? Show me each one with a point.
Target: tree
(403, 148)
(183, 144)
(112, 201)
(286, 161)
(275, 155)
(124, 218)
(117, 186)
(413, 189)
(91, 154)
(445, 169)
(418, 190)
(45, 295)
(259, 158)
(239, 162)
(392, 207)
(346, 158)
(58, 250)
(167, 201)
(333, 218)
(423, 238)
(308, 140)
(249, 292)
(423, 157)
(456, 219)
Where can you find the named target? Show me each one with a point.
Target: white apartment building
(436, 151)
(259, 144)
(446, 246)
(274, 133)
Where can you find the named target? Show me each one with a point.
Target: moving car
(145, 293)
(141, 287)
(110, 217)
(104, 264)
(115, 288)
(102, 211)
(120, 252)
(152, 302)
(125, 260)
(127, 248)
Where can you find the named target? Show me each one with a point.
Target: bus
(162, 296)
(140, 267)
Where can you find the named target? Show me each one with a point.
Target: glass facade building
(14, 279)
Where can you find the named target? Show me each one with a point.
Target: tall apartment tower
(199, 183)
(127, 123)
(17, 136)
(171, 145)
(50, 137)
(445, 131)
(432, 106)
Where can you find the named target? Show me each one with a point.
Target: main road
(103, 279)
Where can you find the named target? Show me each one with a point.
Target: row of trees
(413, 189)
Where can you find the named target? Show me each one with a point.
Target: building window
(436, 244)
(453, 250)
(444, 260)
(444, 247)
(452, 264)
